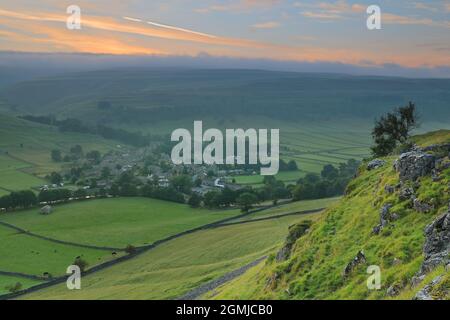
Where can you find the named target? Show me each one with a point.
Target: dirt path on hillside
(207, 287)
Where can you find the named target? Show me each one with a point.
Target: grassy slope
(25, 254)
(175, 267)
(291, 207)
(315, 268)
(115, 222)
(7, 281)
(19, 164)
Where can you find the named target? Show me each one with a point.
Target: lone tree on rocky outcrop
(394, 128)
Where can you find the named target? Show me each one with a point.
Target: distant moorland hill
(143, 96)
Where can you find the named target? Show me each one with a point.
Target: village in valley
(129, 171)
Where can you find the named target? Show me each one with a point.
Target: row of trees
(331, 182)
(136, 139)
(18, 200)
(75, 153)
(245, 199)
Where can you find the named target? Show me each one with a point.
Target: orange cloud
(134, 27)
(239, 6)
(47, 32)
(390, 18)
(266, 25)
(330, 10)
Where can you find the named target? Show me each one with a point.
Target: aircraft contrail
(171, 27)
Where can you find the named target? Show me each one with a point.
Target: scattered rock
(422, 207)
(437, 243)
(393, 290)
(435, 175)
(384, 214)
(414, 164)
(377, 229)
(406, 193)
(295, 232)
(272, 281)
(46, 210)
(384, 218)
(445, 165)
(375, 164)
(359, 259)
(425, 293)
(416, 280)
(389, 189)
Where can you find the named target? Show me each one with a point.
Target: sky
(414, 34)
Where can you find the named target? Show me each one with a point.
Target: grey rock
(393, 290)
(425, 293)
(359, 259)
(437, 243)
(389, 189)
(416, 280)
(384, 214)
(406, 193)
(414, 164)
(375, 164)
(376, 230)
(422, 207)
(435, 175)
(445, 165)
(295, 232)
(384, 218)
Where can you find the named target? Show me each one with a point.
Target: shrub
(81, 263)
(130, 249)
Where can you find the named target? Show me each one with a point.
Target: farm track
(209, 286)
(138, 252)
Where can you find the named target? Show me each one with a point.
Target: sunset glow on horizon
(414, 34)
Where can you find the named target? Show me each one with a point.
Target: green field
(7, 281)
(13, 177)
(29, 255)
(25, 149)
(257, 180)
(178, 266)
(115, 222)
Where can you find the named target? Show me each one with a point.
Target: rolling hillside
(143, 96)
(323, 119)
(25, 149)
(330, 261)
(174, 268)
